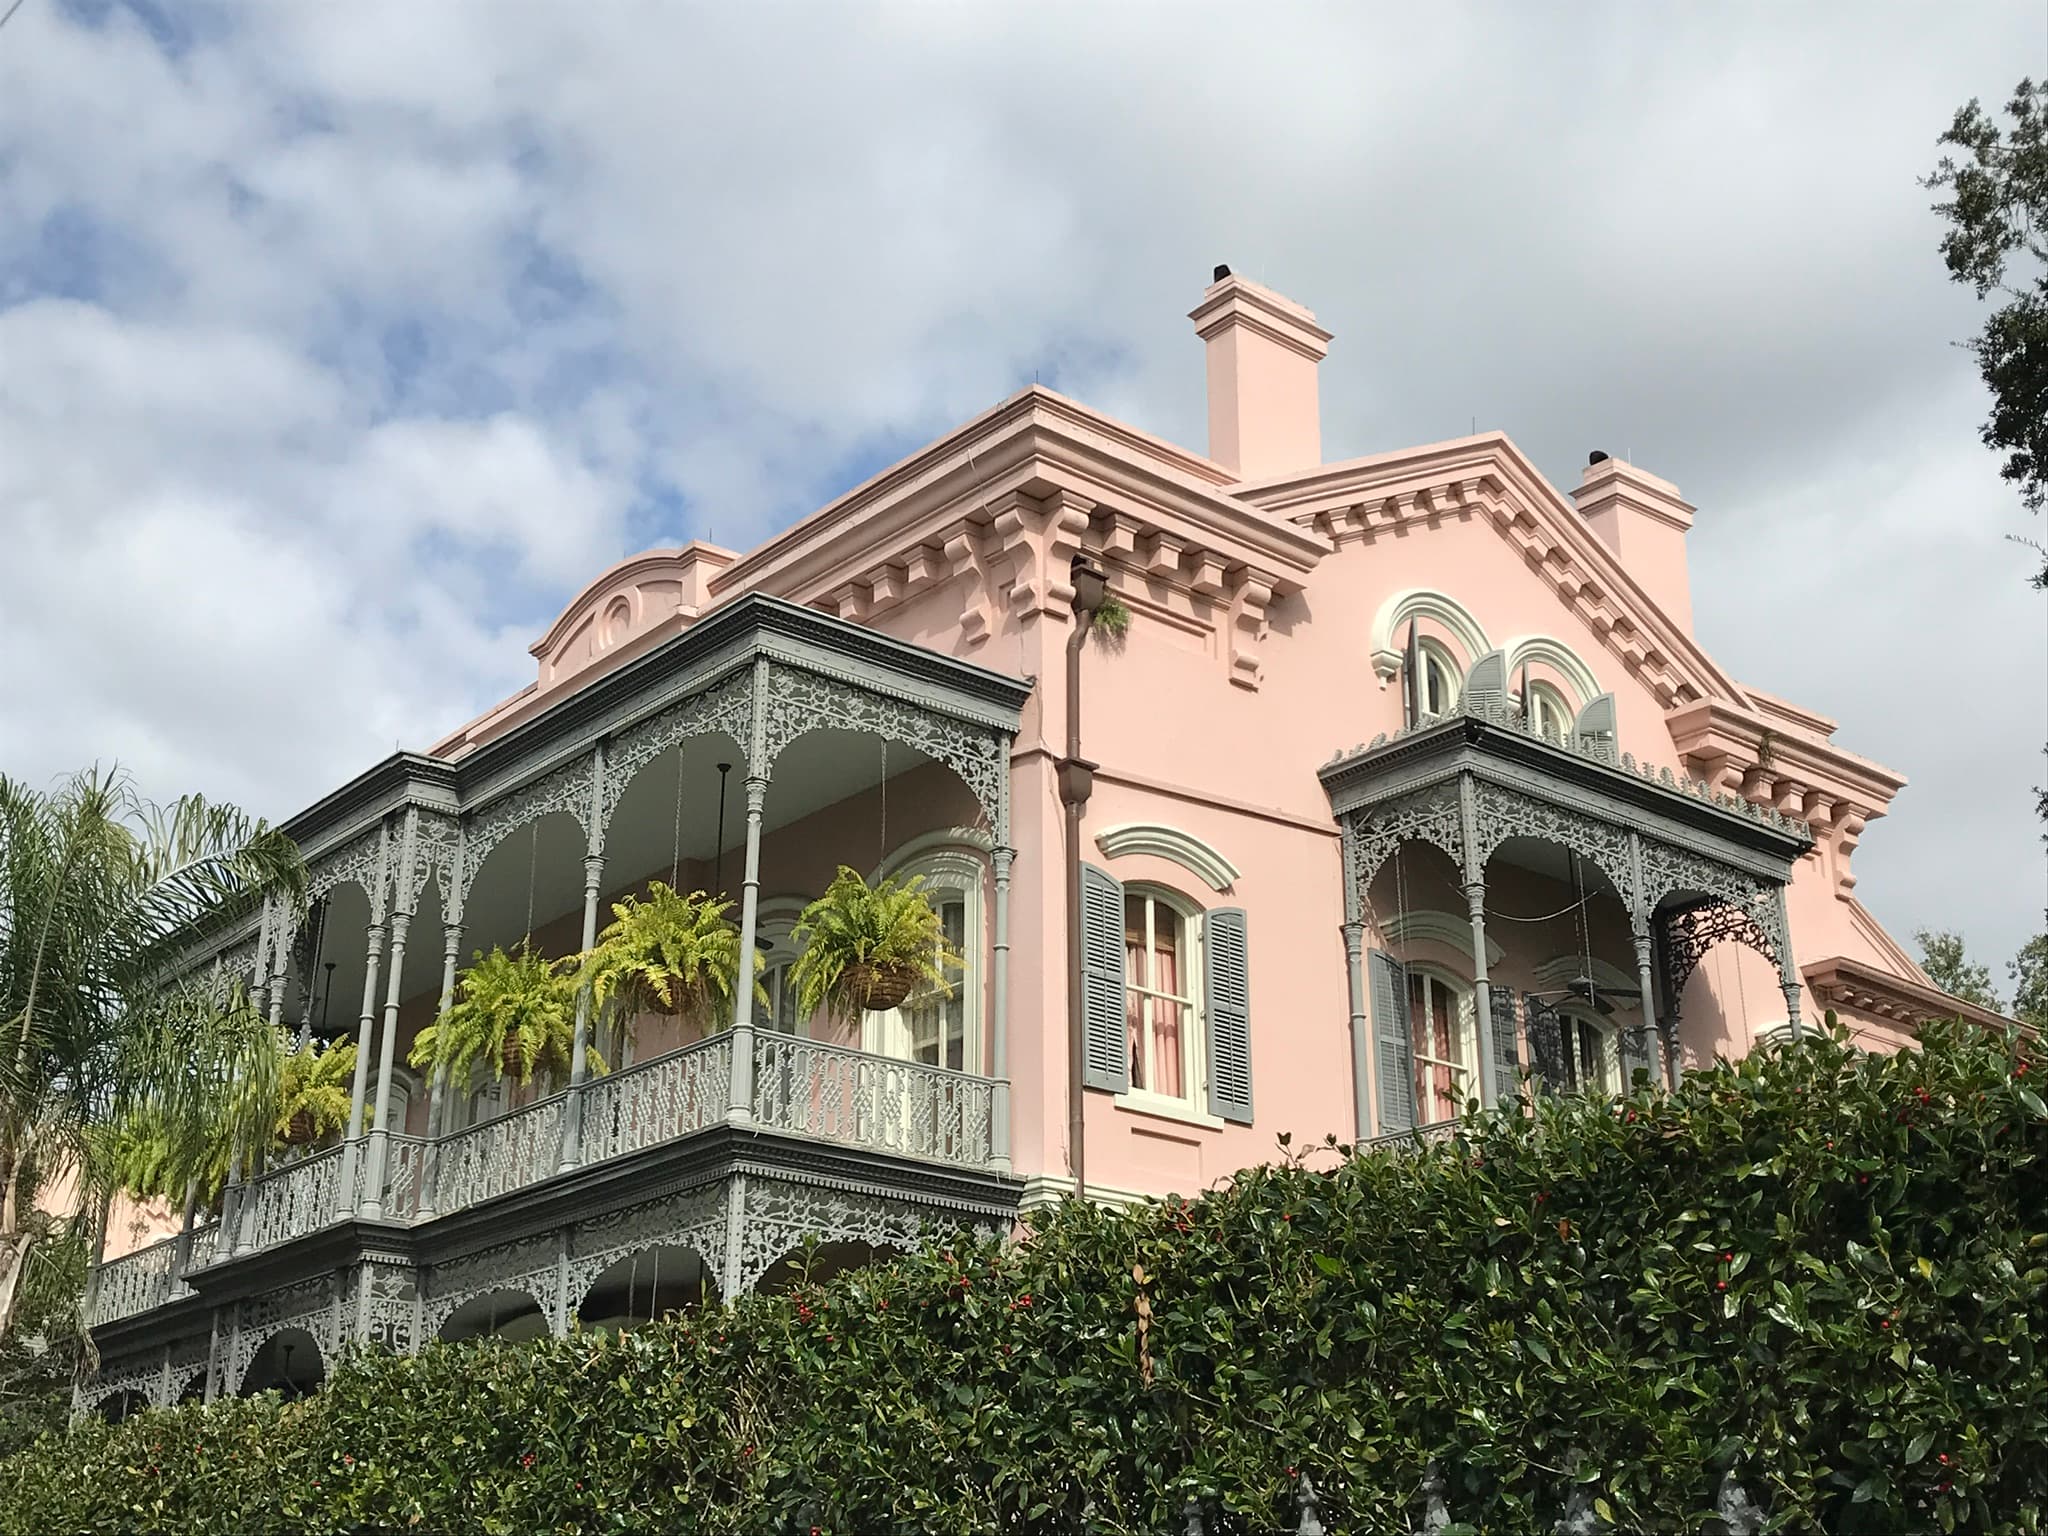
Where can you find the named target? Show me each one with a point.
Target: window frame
(1465, 1011)
(1192, 1103)
(960, 868)
(1550, 697)
(1432, 653)
(775, 922)
(1577, 1014)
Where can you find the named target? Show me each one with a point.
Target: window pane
(1158, 1004)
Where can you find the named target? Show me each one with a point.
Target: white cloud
(396, 319)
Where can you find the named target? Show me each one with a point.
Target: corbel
(1251, 593)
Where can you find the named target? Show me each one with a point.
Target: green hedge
(1823, 1269)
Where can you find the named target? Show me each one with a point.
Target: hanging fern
(665, 952)
(515, 1012)
(857, 935)
(314, 1089)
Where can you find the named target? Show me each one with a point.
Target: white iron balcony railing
(504, 1153)
(135, 1282)
(299, 1197)
(658, 1100)
(802, 1087)
(830, 1093)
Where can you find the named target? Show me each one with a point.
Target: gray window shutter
(1507, 1060)
(1105, 1026)
(1546, 1045)
(1394, 1058)
(1226, 962)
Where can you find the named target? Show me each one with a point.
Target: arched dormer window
(1550, 716)
(1439, 681)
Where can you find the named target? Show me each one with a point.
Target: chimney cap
(1595, 457)
(1221, 273)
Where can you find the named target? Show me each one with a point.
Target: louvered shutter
(1226, 958)
(1394, 1053)
(1507, 1059)
(1546, 1044)
(1105, 1030)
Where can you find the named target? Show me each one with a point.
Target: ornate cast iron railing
(507, 1152)
(404, 1162)
(298, 1198)
(135, 1282)
(659, 1100)
(834, 1094)
(804, 1087)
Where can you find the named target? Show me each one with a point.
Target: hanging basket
(299, 1131)
(510, 1057)
(877, 988)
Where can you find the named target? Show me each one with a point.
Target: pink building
(1407, 785)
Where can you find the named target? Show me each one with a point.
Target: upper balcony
(1545, 881)
(749, 756)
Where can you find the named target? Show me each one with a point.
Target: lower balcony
(891, 1113)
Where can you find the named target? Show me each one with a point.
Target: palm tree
(103, 896)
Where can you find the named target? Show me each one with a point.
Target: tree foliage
(2029, 972)
(1943, 958)
(1822, 1271)
(101, 896)
(1996, 206)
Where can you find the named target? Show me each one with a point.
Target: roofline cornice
(1301, 495)
(1714, 725)
(728, 635)
(1035, 434)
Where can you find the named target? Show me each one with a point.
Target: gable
(1388, 496)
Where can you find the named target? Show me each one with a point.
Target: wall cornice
(1487, 475)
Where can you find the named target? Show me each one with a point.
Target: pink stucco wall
(1258, 577)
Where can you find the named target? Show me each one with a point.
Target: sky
(341, 343)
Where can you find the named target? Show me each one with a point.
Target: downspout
(1076, 784)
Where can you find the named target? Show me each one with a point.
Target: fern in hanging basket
(515, 1012)
(866, 948)
(314, 1087)
(665, 952)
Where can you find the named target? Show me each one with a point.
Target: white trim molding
(1171, 844)
(1043, 1189)
(946, 840)
(1422, 603)
(1544, 650)
(1444, 927)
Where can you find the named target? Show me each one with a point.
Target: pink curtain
(1435, 1092)
(1159, 970)
(1134, 1003)
(1166, 1023)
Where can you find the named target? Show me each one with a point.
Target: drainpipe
(1076, 783)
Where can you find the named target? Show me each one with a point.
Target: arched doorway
(816, 1264)
(287, 1363)
(646, 1286)
(506, 1314)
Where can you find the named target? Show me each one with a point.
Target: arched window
(1443, 1036)
(773, 929)
(1592, 1052)
(1549, 715)
(942, 1028)
(1162, 994)
(1440, 681)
